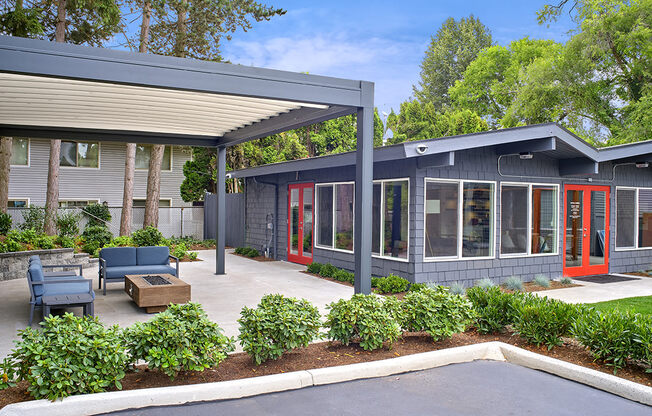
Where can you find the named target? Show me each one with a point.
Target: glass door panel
(597, 228)
(294, 221)
(300, 222)
(574, 237)
(307, 222)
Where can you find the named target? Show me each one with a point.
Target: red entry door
(301, 198)
(586, 227)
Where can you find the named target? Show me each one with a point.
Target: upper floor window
(18, 203)
(19, 152)
(162, 203)
(143, 152)
(80, 154)
(76, 203)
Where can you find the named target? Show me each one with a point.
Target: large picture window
(528, 219)
(633, 218)
(19, 152)
(80, 155)
(390, 217)
(459, 219)
(143, 154)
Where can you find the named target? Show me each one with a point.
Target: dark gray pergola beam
(43, 58)
(220, 232)
(531, 146)
(436, 160)
(577, 166)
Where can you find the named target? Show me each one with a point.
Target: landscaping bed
(329, 354)
(640, 274)
(554, 284)
(251, 253)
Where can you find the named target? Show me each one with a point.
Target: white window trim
(73, 199)
(99, 157)
(381, 182)
(171, 158)
(29, 154)
(145, 199)
(529, 185)
(332, 248)
(19, 198)
(460, 220)
(636, 248)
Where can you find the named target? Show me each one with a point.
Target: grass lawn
(640, 304)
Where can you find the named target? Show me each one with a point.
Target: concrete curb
(113, 401)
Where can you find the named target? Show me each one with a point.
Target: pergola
(62, 91)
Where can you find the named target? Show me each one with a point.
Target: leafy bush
(8, 373)
(122, 241)
(192, 255)
(566, 281)
(457, 289)
(642, 350)
(374, 281)
(314, 268)
(95, 237)
(208, 243)
(514, 283)
(5, 223)
(495, 309)
(437, 312)
(97, 214)
(277, 325)
(364, 319)
(70, 355)
(328, 270)
(541, 280)
(68, 223)
(392, 284)
(544, 321)
(344, 276)
(148, 236)
(180, 251)
(63, 241)
(180, 339)
(34, 218)
(415, 287)
(10, 245)
(485, 283)
(247, 252)
(45, 242)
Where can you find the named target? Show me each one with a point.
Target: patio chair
(57, 292)
(63, 273)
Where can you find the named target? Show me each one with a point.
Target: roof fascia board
(107, 135)
(531, 146)
(578, 166)
(43, 58)
(633, 150)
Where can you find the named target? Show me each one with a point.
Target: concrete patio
(222, 296)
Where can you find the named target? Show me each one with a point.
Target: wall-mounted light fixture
(525, 155)
(642, 165)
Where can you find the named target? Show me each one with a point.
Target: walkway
(591, 292)
(477, 388)
(222, 297)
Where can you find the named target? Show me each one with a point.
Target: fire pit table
(155, 292)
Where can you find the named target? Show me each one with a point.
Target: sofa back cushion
(119, 256)
(34, 258)
(153, 255)
(36, 275)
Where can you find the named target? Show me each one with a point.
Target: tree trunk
(5, 166)
(60, 32)
(182, 29)
(144, 26)
(52, 197)
(153, 185)
(128, 190)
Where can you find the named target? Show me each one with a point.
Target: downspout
(274, 235)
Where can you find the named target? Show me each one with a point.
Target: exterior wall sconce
(525, 155)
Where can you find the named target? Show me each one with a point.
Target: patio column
(220, 231)
(364, 174)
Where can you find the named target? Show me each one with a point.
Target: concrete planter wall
(13, 265)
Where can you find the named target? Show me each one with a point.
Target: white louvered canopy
(59, 102)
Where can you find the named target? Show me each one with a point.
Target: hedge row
(388, 284)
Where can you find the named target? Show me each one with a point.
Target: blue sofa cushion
(65, 289)
(152, 255)
(34, 258)
(118, 272)
(36, 274)
(119, 256)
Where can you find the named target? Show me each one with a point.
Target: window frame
(460, 219)
(145, 201)
(29, 153)
(530, 186)
(89, 201)
(27, 200)
(150, 155)
(99, 156)
(382, 216)
(636, 219)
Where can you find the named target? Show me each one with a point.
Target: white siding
(104, 184)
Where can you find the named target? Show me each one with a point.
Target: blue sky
(379, 41)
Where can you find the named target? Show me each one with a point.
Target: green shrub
(277, 325)
(541, 280)
(247, 251)
(27, 236)
(314, 268)
(192, 255)
(457, 289)
(95, 237)
(328, 270)
(415, 287)
(566, 281)
(10, 245)
(642, 332)
(70, 355)
(68, 223)
(33, 218)
(392, 284)
(8, 373)
(374, 281)
(5, 223)
(437, 312)
(485, 283)
(514, 283)
(180, 251)
(344, 276)
(364, 319)
(495, 309)
(544, 321)
(180, 339)
(66, 242)
(45, 242)
(148, 236)
(122, 241)
(97, 214)
(208, 243)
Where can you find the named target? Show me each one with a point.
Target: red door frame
(300, 258)
(586, 269)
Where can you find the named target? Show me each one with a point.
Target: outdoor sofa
(57, 289)
(116, 262)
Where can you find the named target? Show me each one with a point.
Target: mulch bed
(329, 354)
(257, 258)
(185, 260)
(641, 274)
(554, 284)
(197, 247)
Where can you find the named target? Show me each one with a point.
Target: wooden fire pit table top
(153, 296)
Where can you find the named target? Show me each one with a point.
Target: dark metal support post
(220, 232)
(364, 172)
